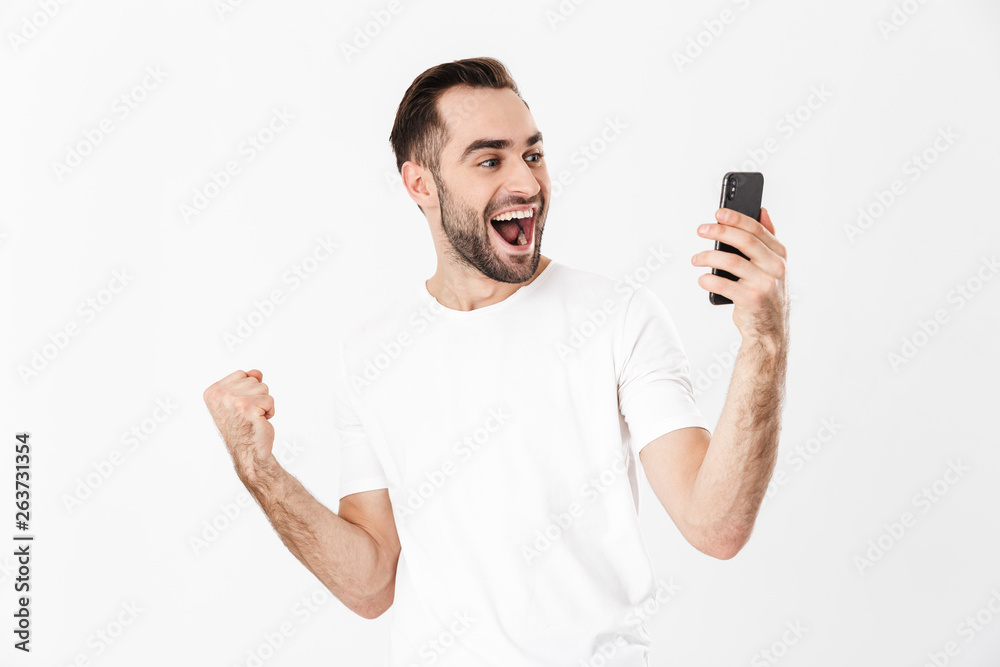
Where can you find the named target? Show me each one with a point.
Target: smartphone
(741, 192)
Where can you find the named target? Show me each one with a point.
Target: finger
(265, 406)
(256, 374)
(248, 407)
(734, 219)
(224, 382)
(745, 242)
(728, 261)
(721, 286)
(251, 388)
(242, 380)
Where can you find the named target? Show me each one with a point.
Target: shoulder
(386, 322)
(625, 297)
(594, 285)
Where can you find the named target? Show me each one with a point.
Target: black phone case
(746, 200)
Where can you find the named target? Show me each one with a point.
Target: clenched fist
(241, 407)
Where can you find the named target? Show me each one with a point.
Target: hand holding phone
(742, 192)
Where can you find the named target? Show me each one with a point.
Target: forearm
(733, 478)
(342, 555)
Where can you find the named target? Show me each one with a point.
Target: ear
(419, 185)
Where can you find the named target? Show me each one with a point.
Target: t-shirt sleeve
(655, 394)
(360, 469)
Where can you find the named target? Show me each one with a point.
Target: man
(490, 419)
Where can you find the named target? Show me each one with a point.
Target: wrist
(770, 345)
(258, 474)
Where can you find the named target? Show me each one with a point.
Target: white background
(859, 297)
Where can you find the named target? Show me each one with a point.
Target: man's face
(492, 164)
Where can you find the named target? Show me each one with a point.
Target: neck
(466, 289)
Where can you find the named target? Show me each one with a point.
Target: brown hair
(419, 132)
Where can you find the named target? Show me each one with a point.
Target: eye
(539, 155)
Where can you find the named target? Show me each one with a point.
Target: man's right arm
(354, 554)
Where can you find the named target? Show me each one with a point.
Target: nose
(521, 179)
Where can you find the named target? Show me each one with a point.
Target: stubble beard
(468, 236)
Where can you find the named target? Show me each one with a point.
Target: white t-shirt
(508, 437)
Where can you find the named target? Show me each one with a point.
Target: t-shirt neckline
(493, 307)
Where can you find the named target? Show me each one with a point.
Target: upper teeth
(510, 215)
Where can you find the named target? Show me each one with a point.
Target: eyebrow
(497, 144)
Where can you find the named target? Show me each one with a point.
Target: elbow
(372, 607)
(724, 551)
(370, 613)
(379, 598)
(722, 544)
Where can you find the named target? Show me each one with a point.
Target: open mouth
(516, 228)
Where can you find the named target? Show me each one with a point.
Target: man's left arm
(712, 486)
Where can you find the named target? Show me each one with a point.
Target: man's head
(468, 150)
